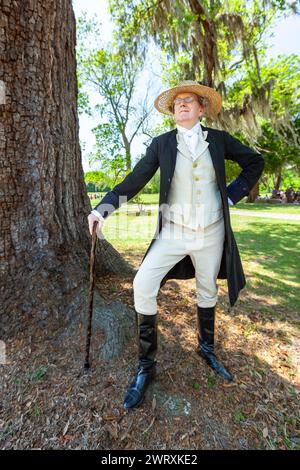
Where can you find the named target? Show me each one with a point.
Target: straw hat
(164, 102)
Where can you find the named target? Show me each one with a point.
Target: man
(193, 236)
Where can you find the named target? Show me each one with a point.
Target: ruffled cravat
(191, 139)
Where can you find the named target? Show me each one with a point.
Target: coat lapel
(182, 147)
(215, 153)
(172, 150)
(203, 144)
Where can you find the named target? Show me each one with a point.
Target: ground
(49, 402)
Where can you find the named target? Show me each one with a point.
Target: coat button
(195, 165)
(196, 178)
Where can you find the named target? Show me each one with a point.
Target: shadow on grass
(270, 256)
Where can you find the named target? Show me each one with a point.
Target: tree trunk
(278, 179)
(44, 240)
(127, 152)
(253, 193)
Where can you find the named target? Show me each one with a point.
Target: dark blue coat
(162, 152)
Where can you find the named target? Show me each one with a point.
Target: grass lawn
(258, 206)
(270, 253)
(146, 199)
(269, 250)
(265, 207)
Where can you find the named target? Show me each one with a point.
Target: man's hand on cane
(95, 221)
(93, 217)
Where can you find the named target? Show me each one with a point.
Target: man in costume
(193, 236)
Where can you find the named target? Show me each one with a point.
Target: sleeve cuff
(230, 202)
(97, 214)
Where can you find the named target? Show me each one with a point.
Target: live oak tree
(44, 240)
(210, 41)
(222, 45)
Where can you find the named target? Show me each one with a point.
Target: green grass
(130, 234)
(38, 374)
(269, 250)
(264, 207)
(239, 417)
(146, 199)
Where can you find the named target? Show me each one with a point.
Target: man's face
(187, 114)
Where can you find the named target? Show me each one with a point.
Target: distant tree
(112, 73)
(216, 43)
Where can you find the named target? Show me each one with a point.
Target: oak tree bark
(44, 239)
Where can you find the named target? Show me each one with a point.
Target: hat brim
(164, 102)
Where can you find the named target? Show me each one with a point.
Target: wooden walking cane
(91, 297)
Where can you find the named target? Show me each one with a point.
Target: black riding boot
(147, 331)
(206, 326)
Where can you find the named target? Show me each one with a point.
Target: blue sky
(284, 39)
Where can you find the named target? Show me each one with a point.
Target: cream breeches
(204, 246)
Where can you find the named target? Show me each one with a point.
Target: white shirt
(191, 136)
